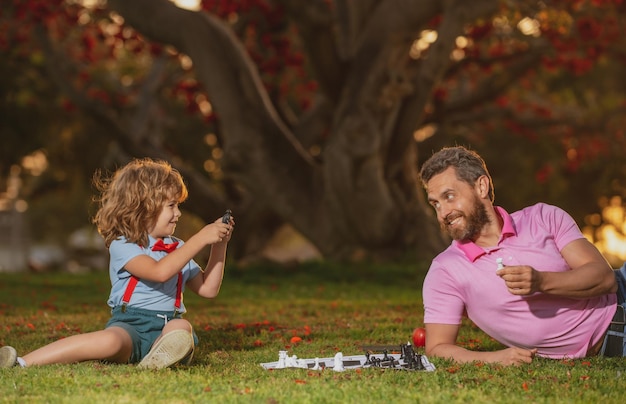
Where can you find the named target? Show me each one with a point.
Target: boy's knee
(178, 324)
(117, 343)
(116, 338)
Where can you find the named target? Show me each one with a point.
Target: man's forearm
(586, 281)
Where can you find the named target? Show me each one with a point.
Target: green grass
(331, 307)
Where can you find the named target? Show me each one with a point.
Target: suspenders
(132, 283)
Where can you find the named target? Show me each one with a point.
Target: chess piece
(419, 365)
(226, 217)
(385, 356)
(291, 361)
(500, 264)
(282, 356)
(338, 365)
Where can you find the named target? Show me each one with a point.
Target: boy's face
(166, 222)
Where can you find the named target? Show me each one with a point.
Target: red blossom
(480, 31)
(68, 106)
(589, 29)
(502, 101)
(580, 66)
(497, 50)
(543, 174)
(440, 94)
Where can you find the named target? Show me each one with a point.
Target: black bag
(615, 340)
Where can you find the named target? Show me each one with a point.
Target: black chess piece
(226, 217)
(419, 365)
(407, 352)
(385, 357)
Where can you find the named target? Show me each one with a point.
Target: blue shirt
(157, 296)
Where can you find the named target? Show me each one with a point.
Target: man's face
(460, 211)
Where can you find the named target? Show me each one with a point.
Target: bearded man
(528, 279)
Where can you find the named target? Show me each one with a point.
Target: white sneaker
(169, 350)
(186, 361)
(8, 357)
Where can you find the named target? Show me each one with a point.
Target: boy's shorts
(143, 327)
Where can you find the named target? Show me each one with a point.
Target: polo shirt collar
(472, 251)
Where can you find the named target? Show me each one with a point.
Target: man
(555, 294)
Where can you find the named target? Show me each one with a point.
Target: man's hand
(514, 356)
(590, 275)
(441, 342)
(521, 279)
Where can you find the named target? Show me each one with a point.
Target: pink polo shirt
(463, 279)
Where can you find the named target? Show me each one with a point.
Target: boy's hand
(226, 224)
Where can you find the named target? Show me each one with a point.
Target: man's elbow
(436, 350)
(610, 283)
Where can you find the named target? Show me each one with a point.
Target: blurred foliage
(569, 163)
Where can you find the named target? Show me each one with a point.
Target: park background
(309, 119)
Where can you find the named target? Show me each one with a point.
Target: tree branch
(58, 67)
(315, 24)
(260, 152)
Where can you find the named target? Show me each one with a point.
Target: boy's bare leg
(112, 344)
(176, 324)
(174, 345)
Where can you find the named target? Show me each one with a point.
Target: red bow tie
(161, 246)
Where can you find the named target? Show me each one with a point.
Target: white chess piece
(317, 365)
(282, 355)
(338, 365)
(292, 361)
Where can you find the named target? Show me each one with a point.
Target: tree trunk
(363, 196)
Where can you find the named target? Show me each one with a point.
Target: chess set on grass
(401, 357)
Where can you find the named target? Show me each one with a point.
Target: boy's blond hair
(131, 200)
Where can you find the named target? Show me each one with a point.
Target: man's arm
(441, 342)
(590, 275)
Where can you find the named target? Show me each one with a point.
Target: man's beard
(475, 222)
